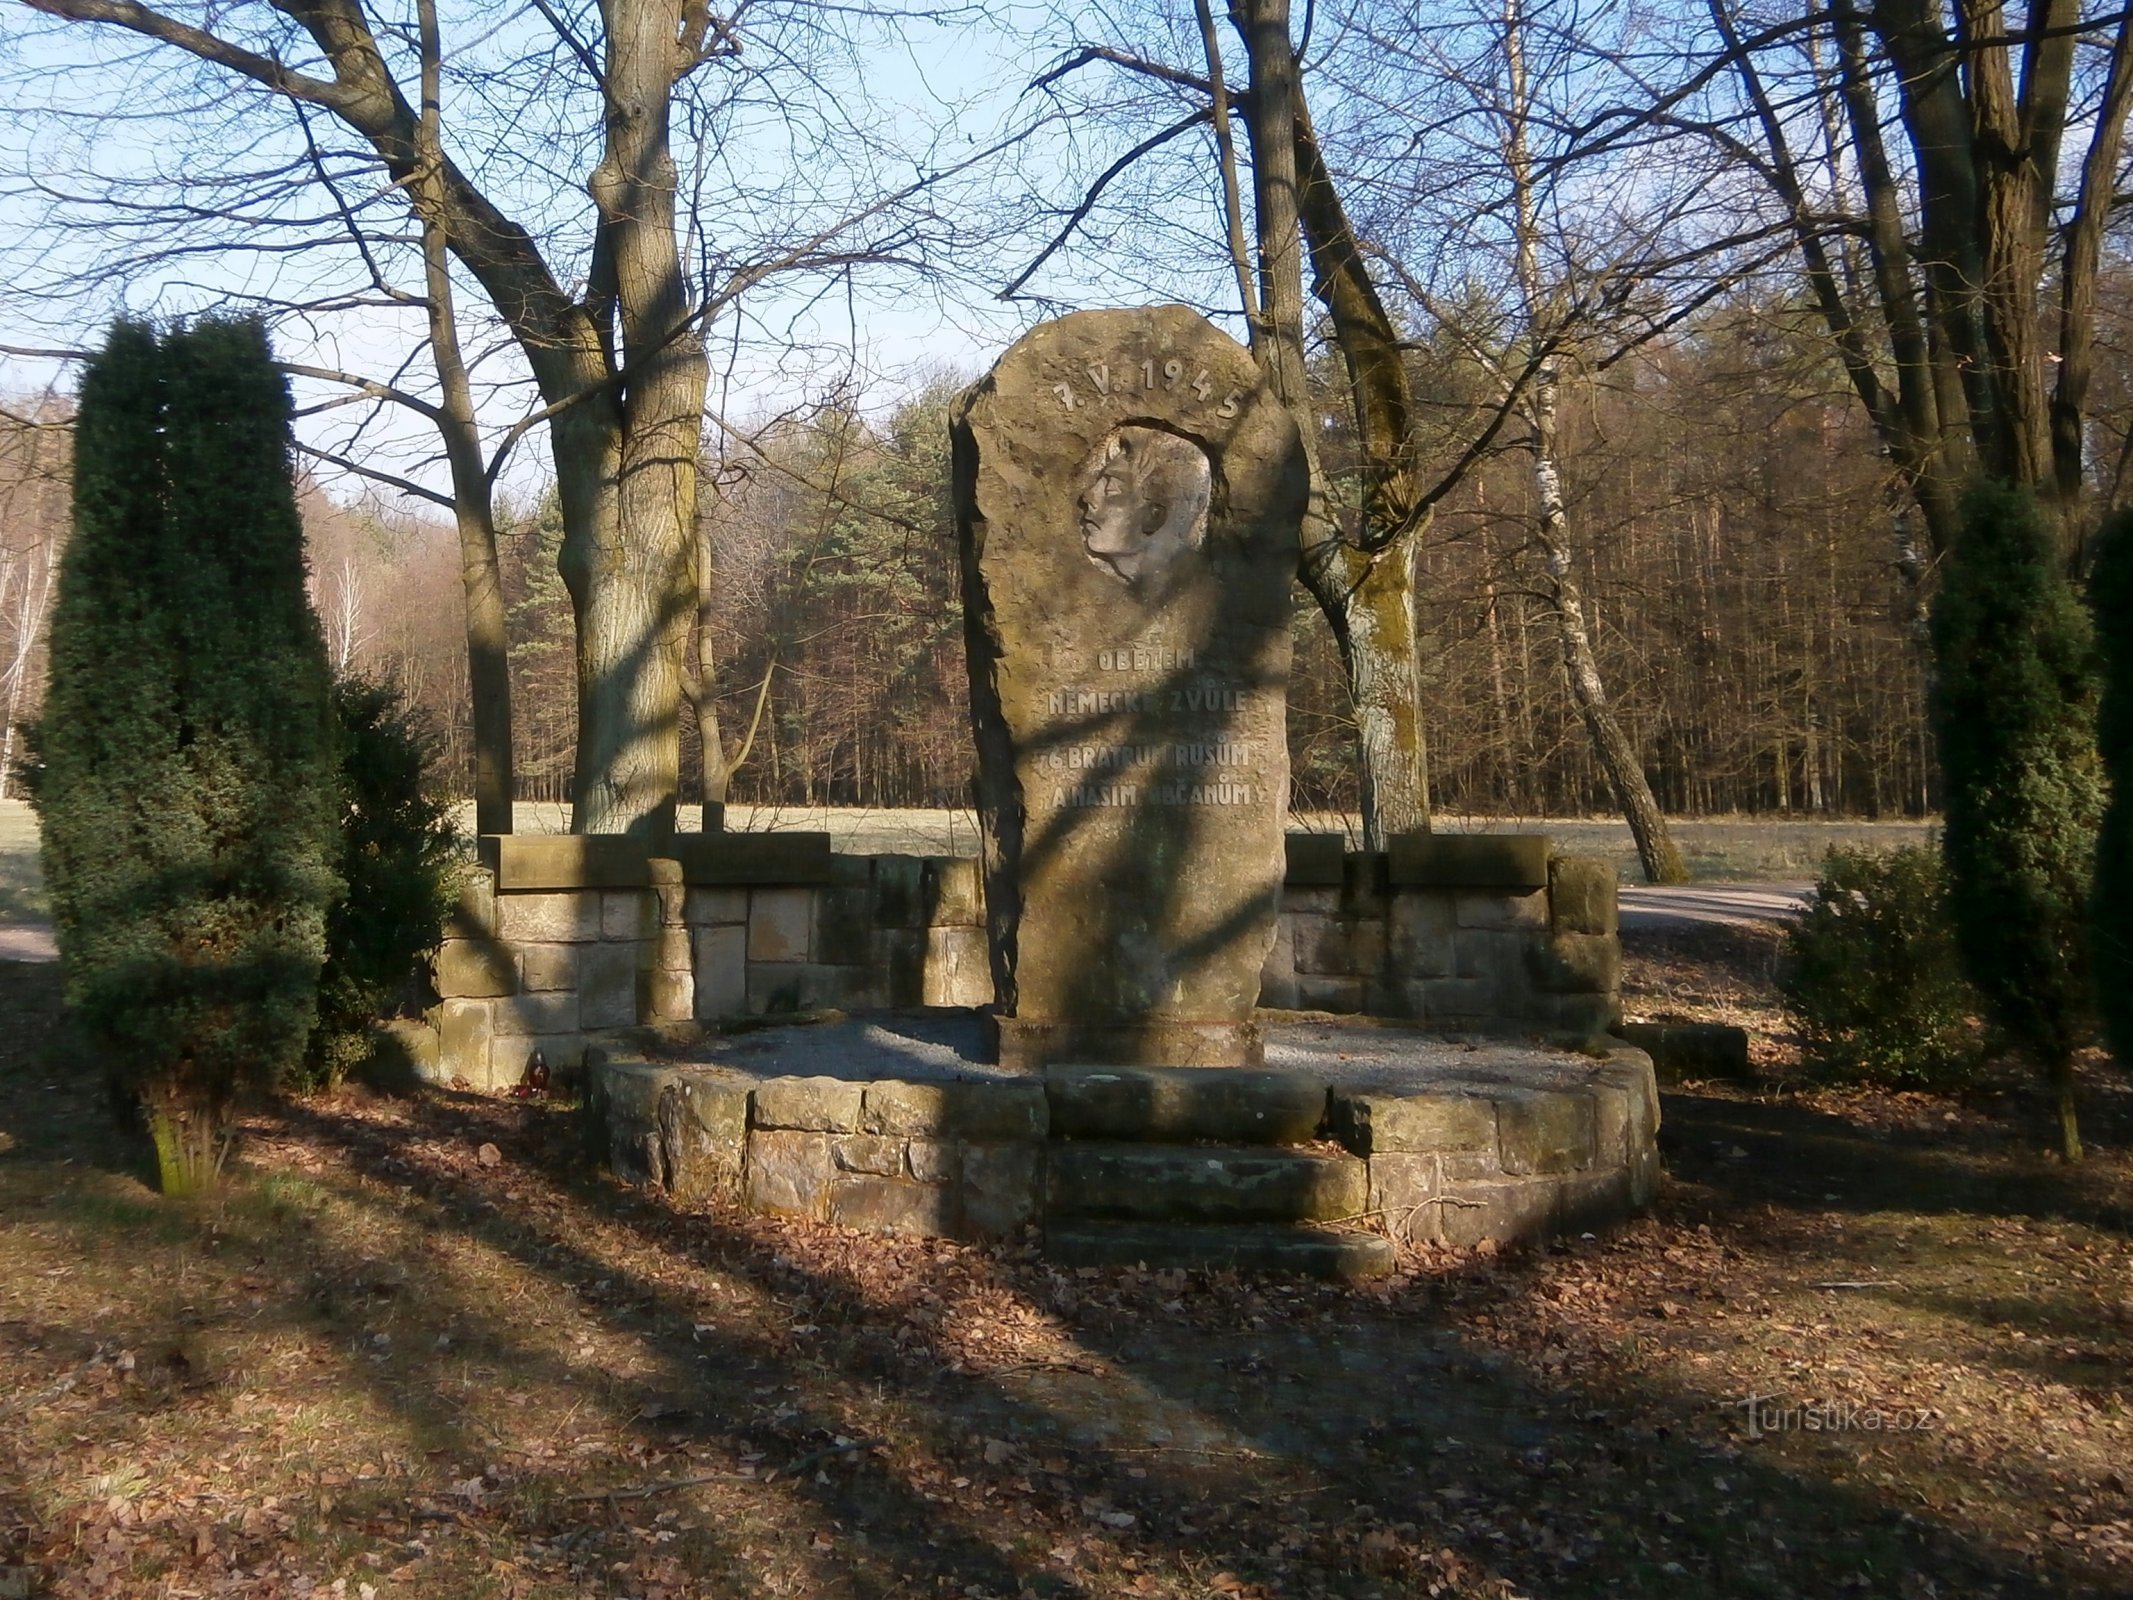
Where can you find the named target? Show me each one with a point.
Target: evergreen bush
(185, 792)
(398, 851)
(2111, 897)
(2015, 715)
(1872, 978)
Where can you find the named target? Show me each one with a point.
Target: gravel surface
(931, 1047)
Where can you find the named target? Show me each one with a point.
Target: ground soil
(422, 1348)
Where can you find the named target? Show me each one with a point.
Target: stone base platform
(1354, 1133)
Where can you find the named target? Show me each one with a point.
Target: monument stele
(1128, 495)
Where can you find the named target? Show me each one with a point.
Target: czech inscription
(1128, 495)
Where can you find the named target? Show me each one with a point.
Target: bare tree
(605, 312)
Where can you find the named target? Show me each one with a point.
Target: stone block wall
(1486, 1157)
(952, 1159)
(558, 939)
(1461, 931)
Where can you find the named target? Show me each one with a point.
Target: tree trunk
(2069, 1121)
(473, 506)
(1617, 756)
(1366, 596)
(629, 466)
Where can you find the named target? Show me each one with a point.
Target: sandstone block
(1575, 963)
(703, 1136)
(721, 971)
(1310, 900)
(666, 996)
(607, 985)
(951, 892)
(1313, 859)
(628, 913)
(788, 1172)
(518, 1015)
(1132, 764)
(1403, 1192)
(549, 861)
(958, 967)
(1277, 978)
(988, 1111)
(1594, 1200)
(1002, 1188)
(1545, 1130)
(933, 1160)
(473, 913)
(624, 1097)
(1471, 860)
(1505, 909)
(844, 926)
(405, 1051)
(1179, 1105)
(464, 1030)
(705, 907)
(1202, 1183)
(560, 917)
(546, 968)
(892, 1205)
(1337, 946)
(1315, 992)
(1581, 896)
(903, 963)
(828, 1105)
(1419, 934)
(1499, 1213)
(1453, 1002)
(899, 892)
(1366, 883)
(472, 969)
(1373, 1125)
(781, 924)
(868, 1153)
(673, 949)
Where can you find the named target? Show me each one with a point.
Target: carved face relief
(1144, 502)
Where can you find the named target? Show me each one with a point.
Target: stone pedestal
(1129, 498)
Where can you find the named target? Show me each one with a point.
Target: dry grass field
(422, 1349)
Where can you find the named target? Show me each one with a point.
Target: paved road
(1644, 909)
(1647, 908)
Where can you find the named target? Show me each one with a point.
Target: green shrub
(186, 778)
(398, 852)
(2014, 712)
(1873, 980)
(2111, 898)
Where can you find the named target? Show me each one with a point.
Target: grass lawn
(421, 1349)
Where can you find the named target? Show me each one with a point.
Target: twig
(1873, 1283)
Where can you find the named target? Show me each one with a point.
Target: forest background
(1749, 578)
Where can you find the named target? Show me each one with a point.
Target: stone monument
(1128, 494)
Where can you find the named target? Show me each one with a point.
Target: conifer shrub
(398, 856)
(2014, 712)
(1872, 978)
(185, 789)
(2111, 897)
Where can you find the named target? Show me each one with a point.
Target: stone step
(1176, 1105)
(1311, 1252)
(1201, 1183)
